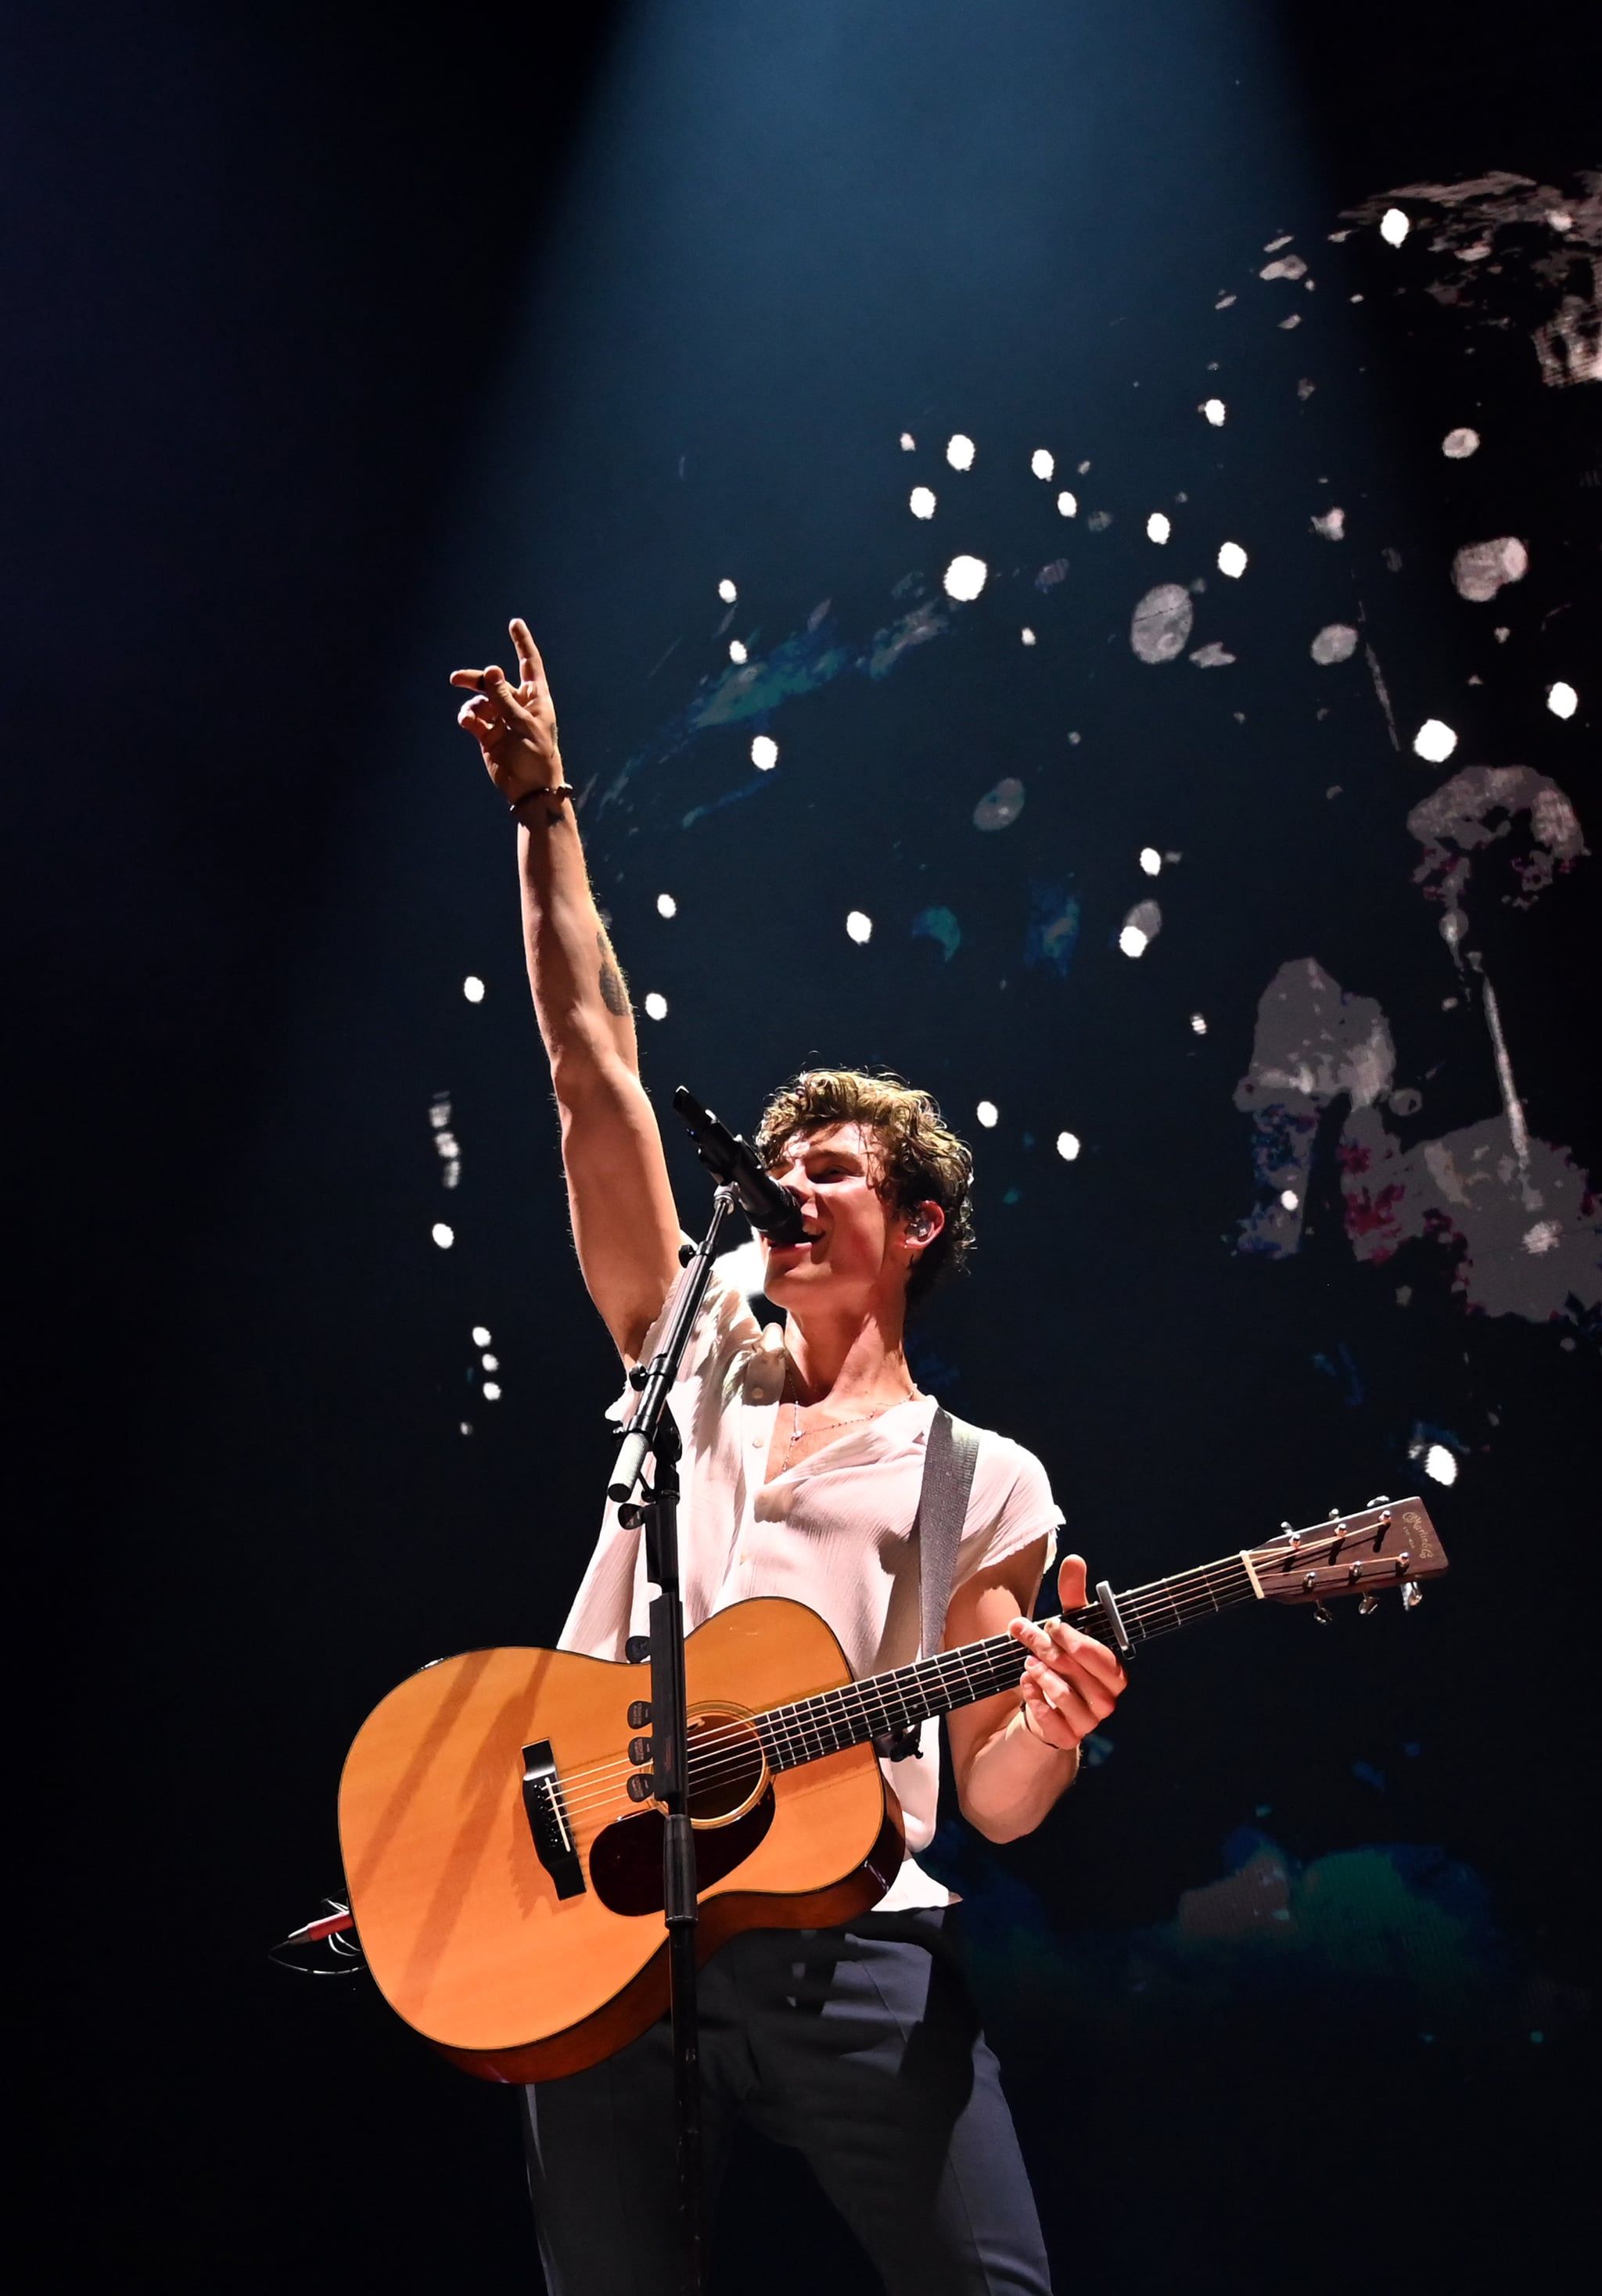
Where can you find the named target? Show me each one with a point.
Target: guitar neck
(881, 1703)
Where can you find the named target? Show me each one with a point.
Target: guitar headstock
(1390, 1543)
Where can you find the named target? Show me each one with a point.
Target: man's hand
(514, 725)
(1071, 1682)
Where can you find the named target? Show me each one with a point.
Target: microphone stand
(652, 1433)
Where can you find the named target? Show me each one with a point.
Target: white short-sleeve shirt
(833, 1532)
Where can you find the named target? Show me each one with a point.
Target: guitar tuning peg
(1369, 1603)
(1380, 1498)
(1412, 1595)
(1325, 1616)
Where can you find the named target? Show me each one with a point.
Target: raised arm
(624, 1222)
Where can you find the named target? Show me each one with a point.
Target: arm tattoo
(612, 993)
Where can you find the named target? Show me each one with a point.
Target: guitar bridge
(547, 1817)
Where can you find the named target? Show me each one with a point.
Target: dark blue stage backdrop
(1064, 541)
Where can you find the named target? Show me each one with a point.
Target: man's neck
(855, 1359)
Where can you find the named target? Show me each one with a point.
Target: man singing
(801, 1469)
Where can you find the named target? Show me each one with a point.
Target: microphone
(773, 1209)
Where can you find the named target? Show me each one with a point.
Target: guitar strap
(950, 1456)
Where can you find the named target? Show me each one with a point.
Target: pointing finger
(528, 653)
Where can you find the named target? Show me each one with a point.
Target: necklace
(829, 1419)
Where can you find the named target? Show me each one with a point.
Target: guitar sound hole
(626, 1858)
(727, 1770)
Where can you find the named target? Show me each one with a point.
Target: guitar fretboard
(906, 1696)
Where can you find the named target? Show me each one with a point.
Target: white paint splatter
(1545, 1236)
(443, 1236)
(1435, 740)
(1215, 410)
(1331, 524)
(1458, 445)
(1213, 656)
(907, 442)
(1293, 321)
(1335, 642)
(666, 906)
(1068, 1146)
(1231, 559)
(481, 1335)
(1480, 568)
(987, 1114)
(920, 502)
(1289, 1199)
(1160, 626)
(490, 1362)
(1140, 928)
(727, 591)
(1289, 266)
(1028, 636)
(1000, 808)
(737, 650)
(965, 578)
(1042, 462)
(472, 989)
(656, 1005)
(491, 1391)
(1393, 226)
(1562, 700)
(860, 926)
(1067, 504)
(1198, 1023)
(1223, 302)
(1440, 1464)
(1157, 528)
(959, 452)
(1151, 860)
(764, 752)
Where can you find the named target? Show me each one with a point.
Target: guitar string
(1003, 1651)
(795, 1737)
(843, 1715)
(1156, 1606)
(801, 1735)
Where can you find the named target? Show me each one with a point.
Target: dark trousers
(861, 2047)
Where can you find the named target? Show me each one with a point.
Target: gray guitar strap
(950, 1458)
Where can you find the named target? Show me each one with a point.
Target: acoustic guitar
(503, 1847)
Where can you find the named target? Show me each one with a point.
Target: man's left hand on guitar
(1071, 1682)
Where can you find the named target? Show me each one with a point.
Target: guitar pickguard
(626, 1860)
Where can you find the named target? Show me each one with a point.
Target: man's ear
(925, 1221)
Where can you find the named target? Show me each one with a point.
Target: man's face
(855, 1240)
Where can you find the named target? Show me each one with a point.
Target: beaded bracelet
(548, 789)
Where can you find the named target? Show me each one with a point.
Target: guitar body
(519, 1927)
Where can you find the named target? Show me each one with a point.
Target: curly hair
(920, 1159)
